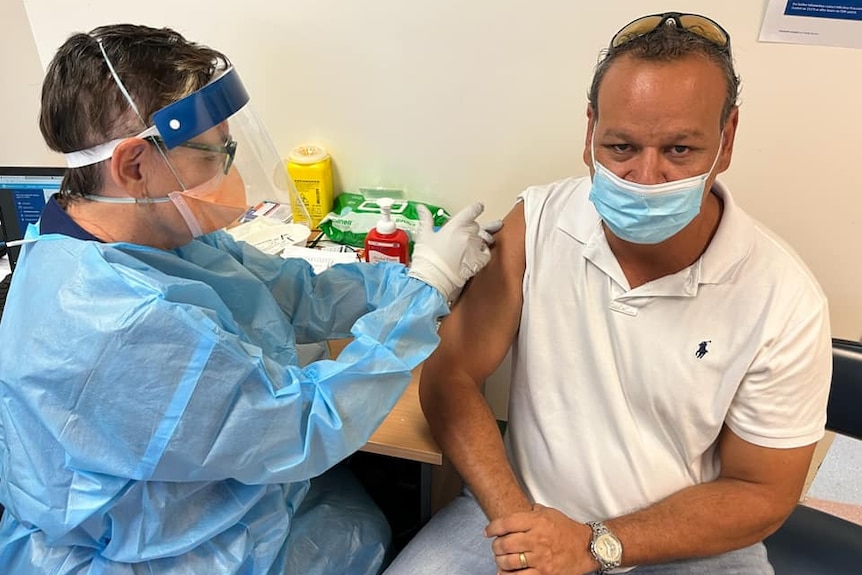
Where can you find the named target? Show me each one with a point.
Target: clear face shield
(218, 124)
(225, 164)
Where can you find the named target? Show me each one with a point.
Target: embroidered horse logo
(701, 349)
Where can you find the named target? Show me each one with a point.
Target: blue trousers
(453, 542)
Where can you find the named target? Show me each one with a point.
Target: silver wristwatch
(606, 547)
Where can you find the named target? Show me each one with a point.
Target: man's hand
(543, 539)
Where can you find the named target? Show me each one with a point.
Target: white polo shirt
(618, 395)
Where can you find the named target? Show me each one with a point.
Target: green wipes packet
(353, 215)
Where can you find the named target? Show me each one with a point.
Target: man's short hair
(82, 106)
(668, 43)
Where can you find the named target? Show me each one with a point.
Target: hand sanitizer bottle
(385, 242)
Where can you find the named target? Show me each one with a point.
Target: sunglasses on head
(693, 23)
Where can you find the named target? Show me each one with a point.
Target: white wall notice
(822, 23)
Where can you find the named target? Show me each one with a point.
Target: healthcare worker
(154, 416)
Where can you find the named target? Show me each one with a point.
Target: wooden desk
(405, 434)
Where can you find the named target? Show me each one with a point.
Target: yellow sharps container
(311, 170)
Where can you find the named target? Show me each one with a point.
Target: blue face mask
(646, 214)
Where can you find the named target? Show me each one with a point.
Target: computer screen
(23, 195)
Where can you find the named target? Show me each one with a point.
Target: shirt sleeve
(781, 403)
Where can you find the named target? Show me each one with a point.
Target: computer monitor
(23, 195)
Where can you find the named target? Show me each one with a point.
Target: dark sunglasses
(229, 149)
(693, 23)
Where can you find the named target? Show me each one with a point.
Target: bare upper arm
(781, 471)
(477, 334)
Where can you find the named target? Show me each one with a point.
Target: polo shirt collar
(55, 220)
(731, 244)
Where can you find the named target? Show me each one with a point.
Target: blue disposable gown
(155, 418)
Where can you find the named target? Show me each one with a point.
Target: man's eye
(620, 148)
(679, 150)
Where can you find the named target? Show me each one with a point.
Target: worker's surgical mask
(249, 171)
(646, 214)
(212, 205)
(205, 208)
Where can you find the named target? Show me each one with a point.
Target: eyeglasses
(694, 23)
(229, 149)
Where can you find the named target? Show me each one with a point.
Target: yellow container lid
(307, 154)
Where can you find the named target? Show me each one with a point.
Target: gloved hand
(448, 258)
(488, 230)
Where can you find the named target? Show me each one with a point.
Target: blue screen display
(29, 196)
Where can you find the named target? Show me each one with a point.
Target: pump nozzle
(385, 225)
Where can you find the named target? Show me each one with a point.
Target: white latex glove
(448, 258)
(488, 230)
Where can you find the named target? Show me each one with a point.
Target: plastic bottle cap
(307, 154)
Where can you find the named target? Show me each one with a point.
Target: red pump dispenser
(385, 242)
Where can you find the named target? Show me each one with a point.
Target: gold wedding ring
(523, 557)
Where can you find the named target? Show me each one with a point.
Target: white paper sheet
(319, 259)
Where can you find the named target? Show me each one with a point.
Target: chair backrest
(4, 289)
(844, 414)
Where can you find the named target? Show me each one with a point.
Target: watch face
(608, 548)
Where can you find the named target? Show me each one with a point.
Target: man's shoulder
(750, 252)
(559, 189)
(563, 204)
(567, 196)
(772, 252)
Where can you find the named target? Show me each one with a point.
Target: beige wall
(21, 74)
(475, 100)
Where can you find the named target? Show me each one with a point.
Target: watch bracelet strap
(598, 527)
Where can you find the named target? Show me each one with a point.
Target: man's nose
(647, 168)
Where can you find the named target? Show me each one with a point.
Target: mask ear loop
(128, 97)
(718, 154)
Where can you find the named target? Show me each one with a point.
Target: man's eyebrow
(672, 137)
(617, 134)
(687, 134)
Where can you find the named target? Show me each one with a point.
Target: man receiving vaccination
(671, 357)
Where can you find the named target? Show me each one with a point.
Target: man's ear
(126, 170)
(729, 138)
(591, 122)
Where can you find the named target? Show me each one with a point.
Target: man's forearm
(699, 521)
(466, 429)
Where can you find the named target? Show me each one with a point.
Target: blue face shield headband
(201, 111)
(646, 214)
(177, 123)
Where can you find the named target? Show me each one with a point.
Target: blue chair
(812, 541)
(4, 289)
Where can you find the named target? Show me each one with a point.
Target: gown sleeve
(160, 383)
